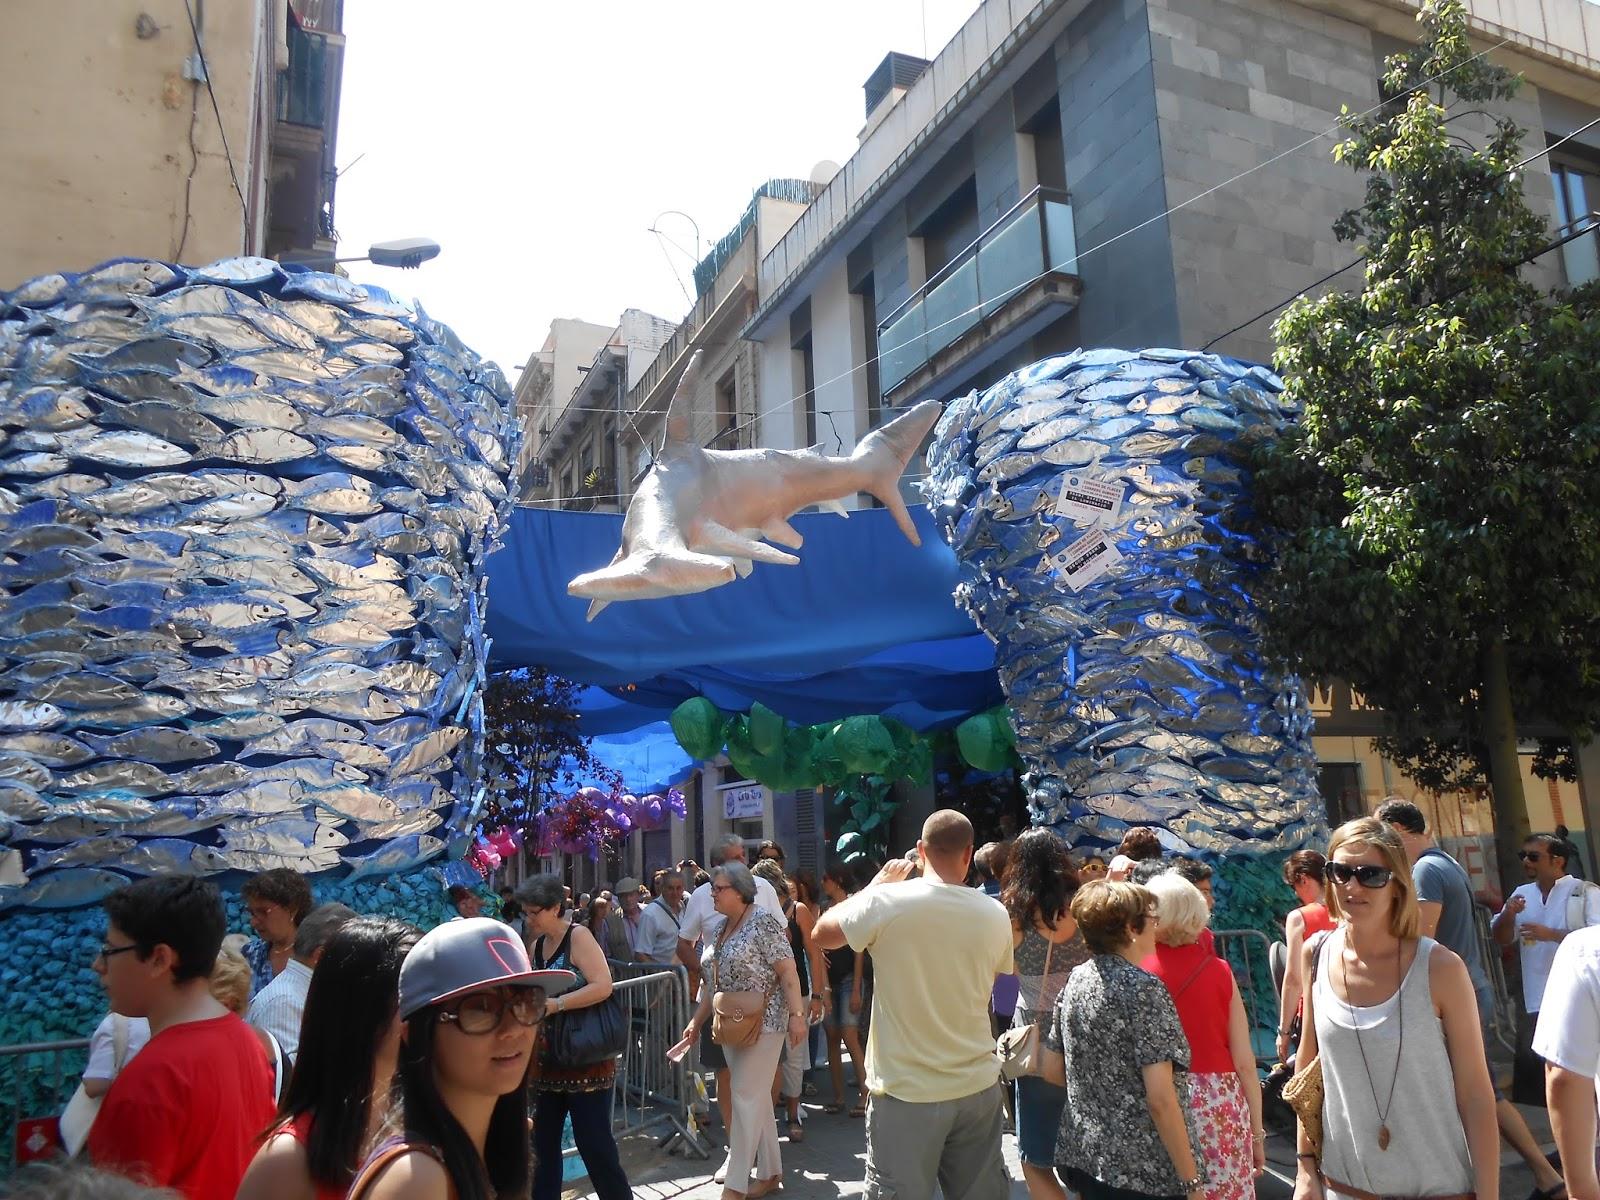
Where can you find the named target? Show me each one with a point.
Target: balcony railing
(1033, 239)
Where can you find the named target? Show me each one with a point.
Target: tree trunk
(1505, 766)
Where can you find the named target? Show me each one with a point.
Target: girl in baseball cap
(471, 1002)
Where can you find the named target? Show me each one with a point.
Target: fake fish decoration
(700, 517)
(244, 515)
(1082, 503)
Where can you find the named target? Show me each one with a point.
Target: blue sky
(538, 140)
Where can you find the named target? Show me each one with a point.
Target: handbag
(581, 1037)
(1304, 1091)
(1017, 1049)
(78, 1117)
(736, 1017)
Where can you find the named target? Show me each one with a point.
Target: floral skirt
(1222, 1127)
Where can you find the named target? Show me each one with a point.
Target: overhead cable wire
(205, 76)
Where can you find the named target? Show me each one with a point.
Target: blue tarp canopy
(865, 624)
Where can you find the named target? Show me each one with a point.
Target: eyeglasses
(482, 1012)
(1367, 876)
(107, 953)
(1529, 855)
(721, 887)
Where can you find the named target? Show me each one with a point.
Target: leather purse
(581, 1037)
(737, 1017)
(1017, 1050)
(1304, 1091)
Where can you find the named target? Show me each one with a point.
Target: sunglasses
(1529, 855)
(482, 1012)
(107, 952)
(1366, 876)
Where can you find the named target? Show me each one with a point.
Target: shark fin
(834, 506)
(712, 538)
(783, 533)
(680, 409)
(884, 454)
(645, 575)
(595, 609)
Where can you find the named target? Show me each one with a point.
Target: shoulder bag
(81, 1110)
(1017, 1049)
(581, 1037)
(736, 1017)
(1303, 1092)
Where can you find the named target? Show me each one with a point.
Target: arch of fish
(244, 514)
(1089, 494)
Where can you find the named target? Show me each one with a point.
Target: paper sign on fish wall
(1083, 561)
(1089, 501)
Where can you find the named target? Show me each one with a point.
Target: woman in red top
(1303, 873)
(1224, 1091)
(349, 1044)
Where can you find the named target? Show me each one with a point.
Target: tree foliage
(1433, 513)
(534, 748)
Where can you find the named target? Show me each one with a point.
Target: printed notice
(1090, 501)
(1086, 559)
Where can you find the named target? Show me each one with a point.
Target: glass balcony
(1031, 241)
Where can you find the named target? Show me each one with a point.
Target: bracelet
(1260, 1137)
(1191, 1185)
(1311, 1157)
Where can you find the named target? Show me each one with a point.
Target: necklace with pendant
(1400, 1004)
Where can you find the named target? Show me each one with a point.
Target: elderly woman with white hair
(753, 994)
(1224, 1090)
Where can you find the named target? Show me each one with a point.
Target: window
(1577, 195)
(808, 382)
(1049, 151)
(866, 291)
(1340, 785)
(727, 411)
(951, 228)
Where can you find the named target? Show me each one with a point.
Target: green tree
(534, 746)
(1433, 513)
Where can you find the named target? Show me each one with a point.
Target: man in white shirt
(278, 1007)
(1568, 1039)
(1541, 912)
(700, 926)
(659, 921)
(935, 1113)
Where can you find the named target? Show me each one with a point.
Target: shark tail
(884, 454)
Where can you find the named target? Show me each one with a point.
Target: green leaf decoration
(864, 744)
(697, 724)
(766, 729)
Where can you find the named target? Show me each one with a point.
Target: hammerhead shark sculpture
(699, 517)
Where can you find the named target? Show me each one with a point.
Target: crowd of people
(335, 1054)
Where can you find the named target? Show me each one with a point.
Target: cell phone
(679, 1052)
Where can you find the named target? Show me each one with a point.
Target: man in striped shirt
(278, 1007)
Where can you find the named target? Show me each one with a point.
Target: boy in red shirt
(187, 1111)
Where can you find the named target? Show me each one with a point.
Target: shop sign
(739, 803)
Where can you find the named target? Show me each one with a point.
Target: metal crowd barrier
(1504, 1022)
(653, 1096)
(1249, 953)
(36, 1081)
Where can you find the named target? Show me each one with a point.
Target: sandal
(834, 1109)
(858, 1110)
(1557, 1192)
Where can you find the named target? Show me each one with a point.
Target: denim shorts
(1039, 1106)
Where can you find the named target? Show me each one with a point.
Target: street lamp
(406, 253)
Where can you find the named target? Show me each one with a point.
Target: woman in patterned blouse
(752, 955)
(1117, 1046)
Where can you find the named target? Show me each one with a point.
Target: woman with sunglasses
(1393, 1019)
(582, 1093)
(339, 1090)
(471, 1003)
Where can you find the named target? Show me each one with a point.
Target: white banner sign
(1090, 501)
(1086, 559)
(741, 802)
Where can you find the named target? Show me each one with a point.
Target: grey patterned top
(1112, 1020)
(1036, 995)
(746, 962)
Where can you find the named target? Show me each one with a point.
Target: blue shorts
(1039, 1106)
